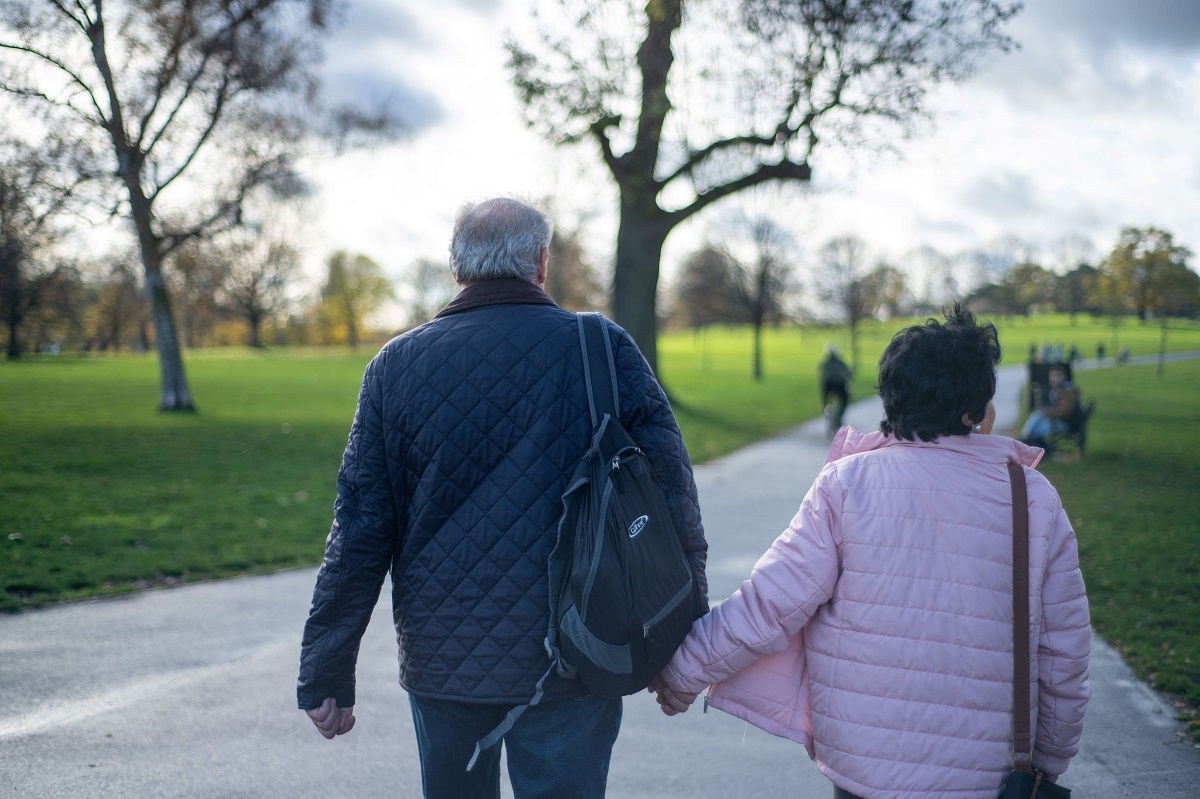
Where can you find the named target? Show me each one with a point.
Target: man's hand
(332, 720)
(671, 702)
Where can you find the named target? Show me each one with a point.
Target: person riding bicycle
(835, 385)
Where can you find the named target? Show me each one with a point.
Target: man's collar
(503, 291)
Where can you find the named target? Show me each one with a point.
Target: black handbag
(1025, 782)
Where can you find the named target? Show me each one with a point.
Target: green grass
(1135, 507)
(720, 408)
(101, 494)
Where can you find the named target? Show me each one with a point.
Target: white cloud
(1087, 128)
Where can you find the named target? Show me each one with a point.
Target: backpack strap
(600, 377)
(599, 370)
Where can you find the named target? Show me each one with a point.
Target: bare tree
(195, 279)
(706, 292)
(211, 94)
(571, 279)
(886, 289)
(117, 313)
(432, 287)
(936, 274)
(680, 124)
(763, 278)
(258, 272)
(992, 262)
(34, 191)
(843, 283)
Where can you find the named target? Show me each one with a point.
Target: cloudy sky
(1092, 125)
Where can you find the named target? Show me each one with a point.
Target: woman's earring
(978, 428)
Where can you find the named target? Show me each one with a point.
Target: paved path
(189, 692)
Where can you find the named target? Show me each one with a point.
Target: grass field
(1136, 512)
(100, 494)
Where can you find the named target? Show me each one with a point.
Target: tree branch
(49, 59)
(599, 130)
(698, 157)
(188, 88)
(34, 93)
(162, 80)
(66, 12)
(227, 214)
(783, 170)
(222, 96)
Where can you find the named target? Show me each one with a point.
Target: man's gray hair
(498, 238)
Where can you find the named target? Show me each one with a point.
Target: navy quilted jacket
(466, 432)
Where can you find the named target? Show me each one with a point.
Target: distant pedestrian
(467, 431)
(835, 386)
(1100, 352)
(877, 629)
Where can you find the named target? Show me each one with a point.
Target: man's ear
(543, 260)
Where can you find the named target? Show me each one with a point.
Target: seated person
(1061, 416)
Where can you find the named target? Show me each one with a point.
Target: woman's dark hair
(931, 374)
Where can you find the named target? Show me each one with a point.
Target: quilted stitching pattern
(898, 570)
(467, 430)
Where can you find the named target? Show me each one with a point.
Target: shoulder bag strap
(1022, 740)
(599, 371)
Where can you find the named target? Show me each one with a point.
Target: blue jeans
(556, 749)
(1040, 427)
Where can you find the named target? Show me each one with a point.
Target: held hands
(330, 719)
(670, 701)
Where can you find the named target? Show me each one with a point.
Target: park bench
(1077, 435)
(1038, 395)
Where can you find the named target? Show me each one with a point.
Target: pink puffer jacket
(877, 629)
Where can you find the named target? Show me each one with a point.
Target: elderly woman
(877, 629)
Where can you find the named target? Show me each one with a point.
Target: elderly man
(467, 430)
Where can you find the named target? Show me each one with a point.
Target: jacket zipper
(674, 603)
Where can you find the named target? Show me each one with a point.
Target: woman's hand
(670, 701)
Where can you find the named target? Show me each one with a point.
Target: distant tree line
(245, 287)
(1145, 276)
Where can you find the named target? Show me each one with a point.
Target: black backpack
(620, 585)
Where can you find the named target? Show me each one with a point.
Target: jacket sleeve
(1065, 406)
(358, 554)
(793, 578)
(646, 414)
(1063, 649)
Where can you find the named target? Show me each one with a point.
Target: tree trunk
(635, 278)
(175, 395)
(758, 373)
(255, 332)
(1162, 349)
(14, 344)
